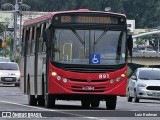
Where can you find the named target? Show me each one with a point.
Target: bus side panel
(41, 58)
(31, 73)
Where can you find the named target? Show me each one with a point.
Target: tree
(147, 10)
(1, 27)
(140, 41)
(10, 42)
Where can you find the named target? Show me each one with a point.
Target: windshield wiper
(101, 36)
(78, 36)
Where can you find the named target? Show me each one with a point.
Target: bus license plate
(88, 88)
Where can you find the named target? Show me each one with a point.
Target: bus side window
(43, 26)
(40, 40)
(43, 43)
(23, 42)
(27, 41)
(40, 45)
(38, 33)
(33, 41)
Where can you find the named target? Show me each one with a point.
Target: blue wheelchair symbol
(95, 58)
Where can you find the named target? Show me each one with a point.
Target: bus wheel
(49, 101)
(85, 103)
(95, 103)
(41, 100)
(111, 102)
(32, 100)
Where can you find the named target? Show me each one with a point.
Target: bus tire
(49, 101)
(32, 100)
(129, 98)
(41, 100)
(95, 103)
(111, 102)
(85, 103)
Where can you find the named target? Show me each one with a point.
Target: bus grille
(91, 70)
(88, 91)
(99, 87)
(78, 80)
(88, 68)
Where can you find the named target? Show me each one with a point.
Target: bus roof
(50, 16)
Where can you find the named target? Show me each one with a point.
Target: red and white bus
(75, 55)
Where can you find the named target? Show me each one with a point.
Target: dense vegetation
(1, 27)
(147, 10)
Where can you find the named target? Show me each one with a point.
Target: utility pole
(20, 29)
(21, 8)
(18, 7)
(158, 45)
(15, 30)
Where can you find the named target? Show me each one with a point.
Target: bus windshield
(72, 46)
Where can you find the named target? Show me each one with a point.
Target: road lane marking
(13, 93)
(145, 104)
(45, 109)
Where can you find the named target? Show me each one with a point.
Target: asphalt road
(13, 101)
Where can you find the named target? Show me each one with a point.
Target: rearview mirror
(130, 44)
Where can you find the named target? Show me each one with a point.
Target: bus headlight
(123, 75)
(111, 81)
(118, 79)
(65, 80)
(54, 73)
(58, 77)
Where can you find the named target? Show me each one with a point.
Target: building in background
(131, 25)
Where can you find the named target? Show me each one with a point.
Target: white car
(144, 84)
(148, 50)
(9, 73)
(4, 59)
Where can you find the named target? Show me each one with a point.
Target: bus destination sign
(89, 19)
